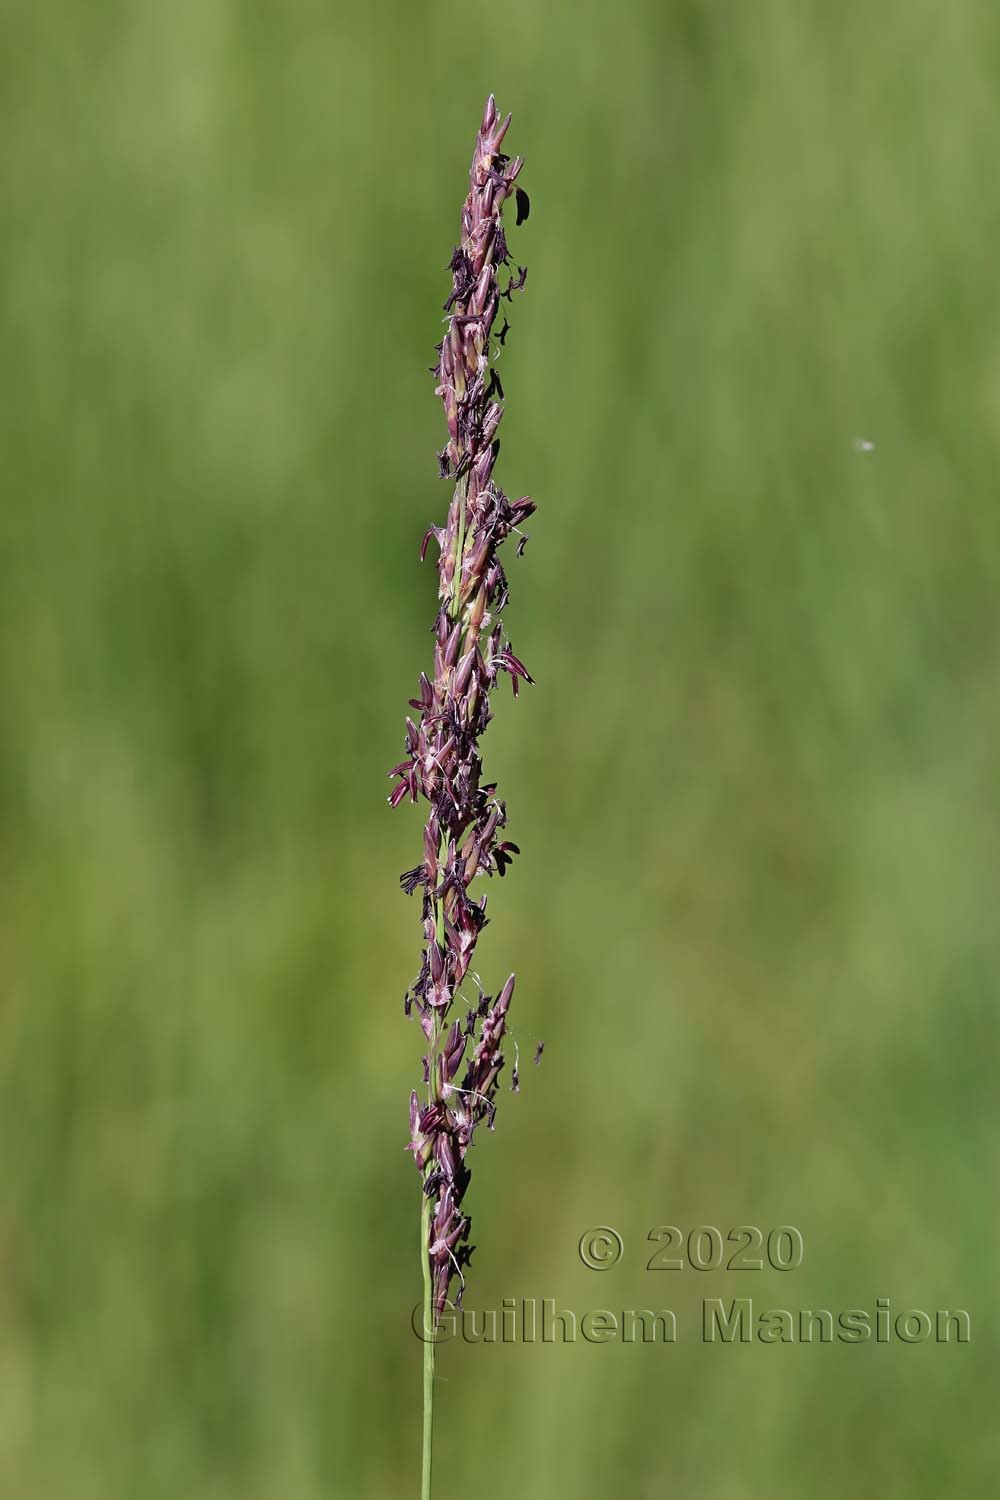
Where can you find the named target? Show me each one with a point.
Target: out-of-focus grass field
(755, 787)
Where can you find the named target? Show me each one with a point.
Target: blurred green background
(755, 786)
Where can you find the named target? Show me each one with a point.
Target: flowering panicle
(463, 837)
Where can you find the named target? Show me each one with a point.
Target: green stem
(456, 598)
(429, 1329)
(428, 1335)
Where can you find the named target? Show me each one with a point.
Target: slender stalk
(429, 1320)
(456, 594)
(429, 1347)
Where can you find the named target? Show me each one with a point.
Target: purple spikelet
(463, 835)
